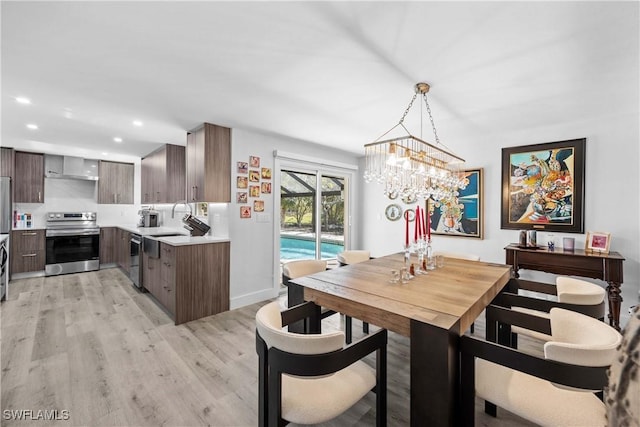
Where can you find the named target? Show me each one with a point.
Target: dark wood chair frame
(498, 349)
(274, 362)
(295, 296)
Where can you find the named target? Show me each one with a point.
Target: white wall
(611, 201)
(252, 242)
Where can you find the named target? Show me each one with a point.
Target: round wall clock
(393, 212)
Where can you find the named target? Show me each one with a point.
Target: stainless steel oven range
(73, 242)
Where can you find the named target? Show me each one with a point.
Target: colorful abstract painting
(543, 186)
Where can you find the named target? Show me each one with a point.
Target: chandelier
(412, 168)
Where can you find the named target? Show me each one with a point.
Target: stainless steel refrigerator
(5, 205)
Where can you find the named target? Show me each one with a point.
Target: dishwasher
(135, 270)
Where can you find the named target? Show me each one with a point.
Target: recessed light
(32, 126)
(105, 154)
(23, 100)
(137, 123)
(93, 166)
(117, 139)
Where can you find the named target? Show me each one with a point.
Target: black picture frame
(543, 186)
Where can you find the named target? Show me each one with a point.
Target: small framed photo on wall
(254, 191)
(245, 211)
(258, 205)
(241, 197)
(243, 167)
(254, 176)
(254, 161)
(266, 173)
(266, 187)
(242, 182)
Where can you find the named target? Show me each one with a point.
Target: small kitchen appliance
(148, 218)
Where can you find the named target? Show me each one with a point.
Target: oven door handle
(72, 232)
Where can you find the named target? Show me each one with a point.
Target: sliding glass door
(313, 208)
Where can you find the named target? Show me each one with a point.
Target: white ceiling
(334, 73)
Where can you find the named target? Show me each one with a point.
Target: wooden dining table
(434, 310)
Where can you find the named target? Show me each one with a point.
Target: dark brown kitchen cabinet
(189, 281)
(163, 175)
(123, 249)
(167, 285)
(108, 239)
(151, 274)
(27, 251)
(115, 183)
(6, 161)
(28, 186)
(208, 155)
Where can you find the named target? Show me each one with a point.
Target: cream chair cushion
(570, 290)
(353, 256)
(269, 324)
(576, 291)
(458, 255)
(577, 339)
(295, 269)
(580, 340)
(312, 400)
(535, 399)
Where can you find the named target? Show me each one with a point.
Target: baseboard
(252, 298)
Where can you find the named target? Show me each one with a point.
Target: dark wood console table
(607, 267)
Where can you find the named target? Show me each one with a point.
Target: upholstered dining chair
(348, 257)
(295, 293)
(309, 379)
(557, 390)
(572, 294)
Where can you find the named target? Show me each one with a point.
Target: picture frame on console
(543, 187)
(597, 242)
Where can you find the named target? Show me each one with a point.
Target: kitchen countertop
(150, 231)
(191, 240)
(168, 235)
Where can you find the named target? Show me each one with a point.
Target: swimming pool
(292, 248)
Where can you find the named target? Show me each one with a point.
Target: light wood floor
(93, 345)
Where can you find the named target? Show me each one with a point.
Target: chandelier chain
(433, 125)
(408, 108)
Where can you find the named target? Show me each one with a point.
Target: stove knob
(51, 215)
(58, 215)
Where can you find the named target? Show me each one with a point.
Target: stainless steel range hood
(68, 167)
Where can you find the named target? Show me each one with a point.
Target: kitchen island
(188, 276)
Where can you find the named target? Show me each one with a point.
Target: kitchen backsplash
(68, 195)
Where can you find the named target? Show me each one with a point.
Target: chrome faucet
(180, 202)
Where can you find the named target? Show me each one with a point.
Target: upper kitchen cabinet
(6, 162)
(209, 164)
(28, 177)
(163, 175)
(115, 183)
